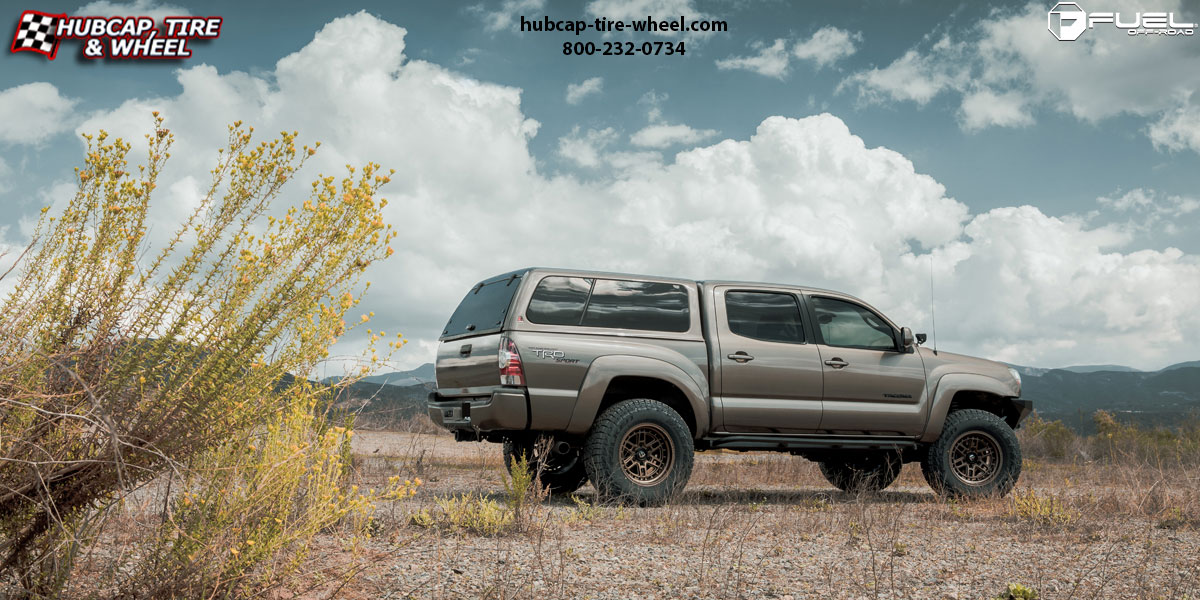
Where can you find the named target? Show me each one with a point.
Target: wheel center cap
(641, 454)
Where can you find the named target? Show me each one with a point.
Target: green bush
(1120, 442)
(471, 513)
(1114, 442)
(1047, 439)
(1046, 511)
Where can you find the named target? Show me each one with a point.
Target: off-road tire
(977, 455)
(561, 474)
(866, 472)
(656, 446)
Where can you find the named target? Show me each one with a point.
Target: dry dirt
(762, 525)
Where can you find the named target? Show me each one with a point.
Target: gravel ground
(768, 526)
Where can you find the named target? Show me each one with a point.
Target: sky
(1050, 189)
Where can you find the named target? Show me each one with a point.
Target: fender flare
(949, 385)
(606, 368)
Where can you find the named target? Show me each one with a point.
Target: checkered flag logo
(36, 33)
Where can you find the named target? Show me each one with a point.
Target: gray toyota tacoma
(618, 379)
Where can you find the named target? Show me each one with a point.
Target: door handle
(740, 357)
(837, 363)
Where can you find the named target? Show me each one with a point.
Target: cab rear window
(483, 309)
(611, 303)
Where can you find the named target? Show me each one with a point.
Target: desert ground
(762, 525)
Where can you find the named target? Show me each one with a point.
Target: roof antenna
(932, 317)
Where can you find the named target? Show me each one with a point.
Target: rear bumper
(507, 409)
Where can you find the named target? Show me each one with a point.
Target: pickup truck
(619, 379)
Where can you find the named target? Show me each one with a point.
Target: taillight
(510, 364)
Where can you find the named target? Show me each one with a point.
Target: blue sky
(1054, 184)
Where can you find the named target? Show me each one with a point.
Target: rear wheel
(559, 466)
(977, 455)
(865, 472)
(639, 451)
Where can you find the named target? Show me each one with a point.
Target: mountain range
(1149, 398)
(1070, 394)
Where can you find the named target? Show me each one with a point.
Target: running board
(800, 442)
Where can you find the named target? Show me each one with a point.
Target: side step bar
(800, 442)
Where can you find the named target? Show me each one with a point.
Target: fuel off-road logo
(112, 37)
(1067, 21)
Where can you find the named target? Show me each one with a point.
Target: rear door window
(766, 316)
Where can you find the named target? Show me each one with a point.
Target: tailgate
(469, 366)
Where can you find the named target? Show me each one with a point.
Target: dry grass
(768, 526)
(759, 525)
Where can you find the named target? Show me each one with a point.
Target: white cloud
(1036, 289)
(468, 56)
(985, 108)
(1008, 64)
(508, 14)
(659, 133)
(587, 149)
(913, 77)
(141, 8)
(34, 112)
(827, 46)
(576, 92)
(1151, 211)
(771, 61)
(653, 101)
(801, 200)
(662, 135)
(1178, 129)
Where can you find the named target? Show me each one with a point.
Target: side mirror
(906, 339)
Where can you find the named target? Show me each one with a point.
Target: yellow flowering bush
(127, 362)
(248, 512)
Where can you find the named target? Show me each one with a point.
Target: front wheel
(639, 451)
(560, 470)
(977, 455)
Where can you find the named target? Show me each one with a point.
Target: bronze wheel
(639, 451)
(647, 454)
(976, 457)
